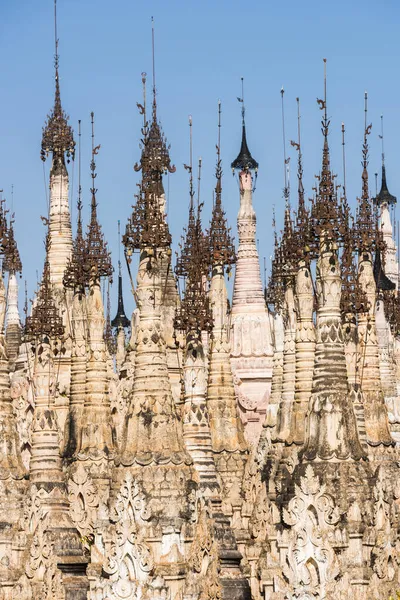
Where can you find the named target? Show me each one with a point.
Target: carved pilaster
(376, 418)
(331, 423)
(13, 322)
(78, 374)
(227, 434)
(96, 438)
(289, 368)
(196, 428)
(305, 351)
(152, 433)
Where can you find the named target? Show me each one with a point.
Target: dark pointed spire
(45, 320)
(384, 196)
(365, 230)
(12, 260)
(155, 160)
(98, 257)
(302, 217)
(57, 136)
(194, 313)
(120, 320)
(382, 281)
(244, 160)
(325, 213)
(193, 242)
(222, 249)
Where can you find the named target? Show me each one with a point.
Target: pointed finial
(154, 70)
(384, 196)
(244, 160)
(367, 131)
(79, 203)
(286, 190)
(57, 135)
(198, 183)
(191, 192)
(344, 161)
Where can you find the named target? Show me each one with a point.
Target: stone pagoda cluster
(202, 449)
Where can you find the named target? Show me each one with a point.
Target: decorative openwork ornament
(45, 320)
(57, 136)
(194, 313)
(147, 226)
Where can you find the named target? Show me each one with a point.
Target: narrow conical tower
(304, 306)
(153, 467)
(251, 334)
(12, 264)
(97, 438)
(367, 241)
(227, 433)
(154, 154)
(193, 318)
(385, 201)
(58, 141)
(47, 517)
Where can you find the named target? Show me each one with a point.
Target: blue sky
(202, 50)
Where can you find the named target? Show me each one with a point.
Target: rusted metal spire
(222, 250)
(194, 313)
(366, 231)
(12, 260)
(325, 214)
(147, 226)
(98, 257)
(76, 274)
(57, 136)
(302, 217)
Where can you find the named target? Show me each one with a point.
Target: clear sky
(202, 50)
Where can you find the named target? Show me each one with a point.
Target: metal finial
(382, 142)
(286, 161)
(154, 70)
(344, 160)
(198, 183)
(55, 38)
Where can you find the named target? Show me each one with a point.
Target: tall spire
(244, 160)
(76, 275)
(222, 250)
(97, 254)
(325, 214)
(57, 133)
(120, 320)
(384, 196)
